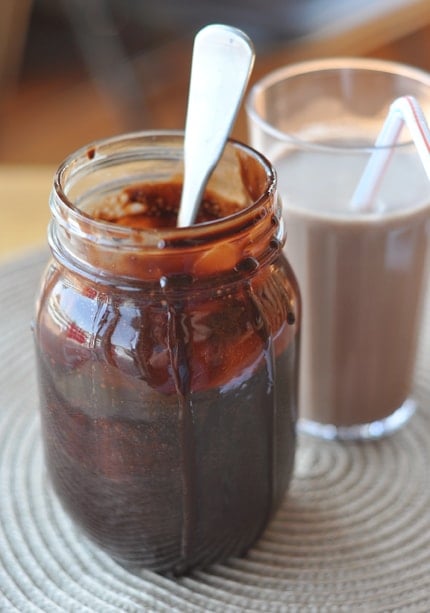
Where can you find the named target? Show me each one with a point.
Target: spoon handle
(223, 57)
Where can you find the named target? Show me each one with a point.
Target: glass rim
(305, 67)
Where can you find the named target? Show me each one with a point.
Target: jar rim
(92, 153)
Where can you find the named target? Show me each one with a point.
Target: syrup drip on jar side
(177, 331)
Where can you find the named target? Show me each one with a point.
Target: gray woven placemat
(352, 535)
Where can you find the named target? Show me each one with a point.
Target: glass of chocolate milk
(362, 274)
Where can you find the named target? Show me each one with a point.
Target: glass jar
(167, 357)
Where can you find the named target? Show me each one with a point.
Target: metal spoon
(223, 57)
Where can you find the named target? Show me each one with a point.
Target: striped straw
(404, 110)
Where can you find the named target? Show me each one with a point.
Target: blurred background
(76, 70)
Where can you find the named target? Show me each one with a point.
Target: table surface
(24, 199)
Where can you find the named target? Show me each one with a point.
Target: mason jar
(167, 357)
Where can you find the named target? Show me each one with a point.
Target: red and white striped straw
(404, 110)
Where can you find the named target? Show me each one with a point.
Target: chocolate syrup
(168, 396)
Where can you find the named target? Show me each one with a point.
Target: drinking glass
(362, 274)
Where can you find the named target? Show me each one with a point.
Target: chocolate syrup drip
(281, 295)
(178, 333)
(263, 328)
(272, 305)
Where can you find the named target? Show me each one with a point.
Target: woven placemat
(352, 535)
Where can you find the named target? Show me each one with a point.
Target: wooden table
(24, 194)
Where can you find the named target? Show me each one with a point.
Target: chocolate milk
(362, 279)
